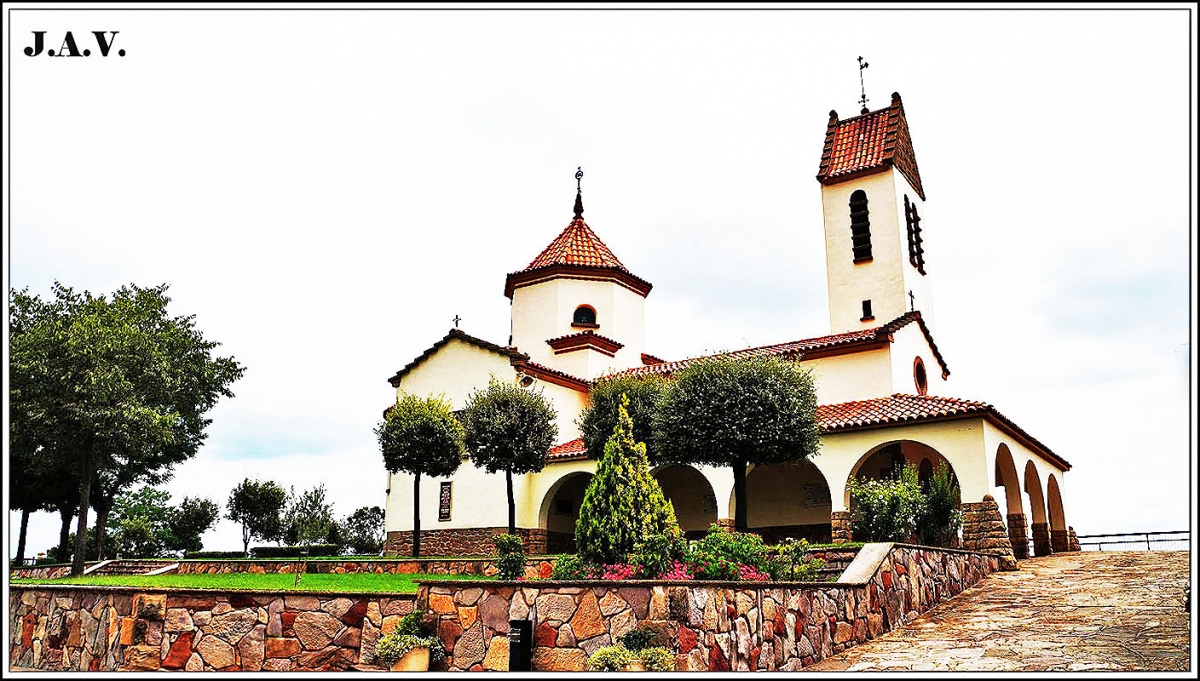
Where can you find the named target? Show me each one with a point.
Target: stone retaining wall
(535, 568)
(44, 571)
(65, 628)
(467, 541)
(715, 626)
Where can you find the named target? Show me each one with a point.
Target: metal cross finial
(579, 179)
(862, 65)
(456, 320)
(912, 302)
(579, 193)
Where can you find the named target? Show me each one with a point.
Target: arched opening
(560, 511)
(1039, 528)
(788, 500)
(689, 492)
(585, 316)
(860, 226)
(920, 378)
(887, 460)
(1058, 521)
(1006, 476)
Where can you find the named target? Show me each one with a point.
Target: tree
(623, 505)
(598, 420)
(363, 532)
(886, 510)
(308, 517)
(729, 411)
(140, 522)
(420, 436)
(187, 524)
(258, 508)
(508, 428)
(939, 523)
(117, 380)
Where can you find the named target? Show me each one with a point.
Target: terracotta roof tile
(577, 245)
(896, 409)
(792, 349)
(869, 143)
(568, 451)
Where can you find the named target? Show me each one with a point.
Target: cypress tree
(623, 504)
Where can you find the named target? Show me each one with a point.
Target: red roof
(798, 348)
(576, 252)
(894, 410)
(869, 143)
(568, 451)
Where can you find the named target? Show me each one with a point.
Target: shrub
(600, 418)
(623, 503)
(938, 525)
(511, 556)
(569, 567)
(722, 555)
(656, 555)
(293, 551)
(793, 562)
(886, 510)
(215, 555)
(637, 639)
(609, 659)
(657, 659)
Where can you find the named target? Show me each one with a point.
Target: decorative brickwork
(120, 629)
(984, 531)
(710, 626)
(1041, 539)
(1072, 540)
(468, 541)
(839, 522)
(1059, 541)
(1018, 535)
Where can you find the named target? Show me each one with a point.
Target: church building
(883, 383)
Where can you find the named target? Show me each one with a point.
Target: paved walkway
(1119, 611)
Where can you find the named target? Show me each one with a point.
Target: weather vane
(862, 65)
(579, 193)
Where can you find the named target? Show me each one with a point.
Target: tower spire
(862, 86)
(579, 193)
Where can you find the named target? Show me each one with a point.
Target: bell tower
(874, 210)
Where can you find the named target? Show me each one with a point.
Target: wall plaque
(444, 501)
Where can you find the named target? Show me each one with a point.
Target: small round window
(919, 376)
(584, 314)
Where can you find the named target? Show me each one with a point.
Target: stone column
(1018, 535)
(1041, 539)
(839, 522)
(726, 524)
(983, 531)
(1072, 540)
(1059, 541)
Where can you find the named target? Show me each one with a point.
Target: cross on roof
(456, 320)
(862, 65)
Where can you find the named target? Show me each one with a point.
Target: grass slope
(370, 583)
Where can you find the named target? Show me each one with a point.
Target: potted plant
(410, 647)
(633, 653)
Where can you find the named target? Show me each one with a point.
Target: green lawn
(374, 583)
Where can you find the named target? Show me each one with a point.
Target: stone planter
(635, 665)
(415, 660)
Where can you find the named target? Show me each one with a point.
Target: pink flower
(678, 571)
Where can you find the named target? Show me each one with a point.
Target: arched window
(916, 252)
(860, 226)
(585, 315)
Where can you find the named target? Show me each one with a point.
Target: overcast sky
(326, 190)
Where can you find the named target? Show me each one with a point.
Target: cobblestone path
(1118, 611)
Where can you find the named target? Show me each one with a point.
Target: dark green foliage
(189, 521)
(886, 510)
(417, 624)
(734, 412)
(420, 436)
(720, 554)
(308, 518)
(638, 639)
(508, 428)
(599, 419)
(294, 551)
(362, 531)
(258, 508)
(939, 523)
(570, 567)
(623, 504)
(113, 383)
(654, 556)
(792, 562)
(510, 558)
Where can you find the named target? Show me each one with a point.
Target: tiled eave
(623, 277)
(585, 340)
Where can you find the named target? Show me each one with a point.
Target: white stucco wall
(914, 281)
(858, 376)
(1022, 455)
(545, 310)
(888, 277)
(908, 343)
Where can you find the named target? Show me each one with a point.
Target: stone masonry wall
(983, 531)
(44, 571)
(114, 629)
(534, 567)
(1018, 535)
(714, 626)
(1041, 539)
(467, 541)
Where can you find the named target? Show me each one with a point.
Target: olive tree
(420, 436)
(511, 429)
(734, 412)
